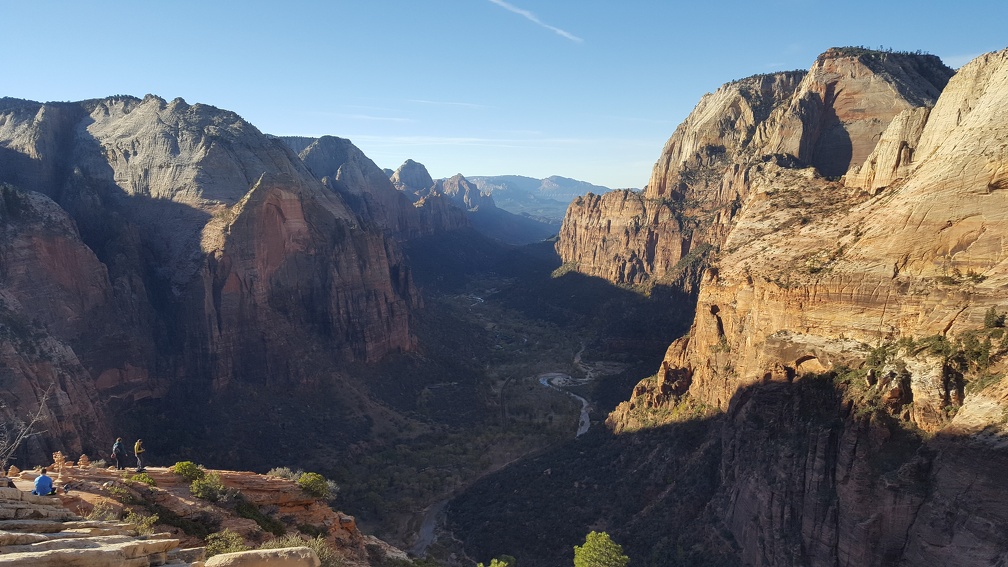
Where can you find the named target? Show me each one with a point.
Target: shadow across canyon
(791, 474)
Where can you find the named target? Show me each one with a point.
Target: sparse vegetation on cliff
(326, 554)
(225, 541)
(208, 487)
(188, 470)
(316, 485)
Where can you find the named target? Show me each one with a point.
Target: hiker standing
(138, 450)
(119, 454)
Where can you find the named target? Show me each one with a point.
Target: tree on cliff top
(599, 550)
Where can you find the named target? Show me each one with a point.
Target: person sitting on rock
(43, 485)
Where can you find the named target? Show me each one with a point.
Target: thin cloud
(447, 103)
(535, 20)
(373, 118)
(359, 116)
(509, 142)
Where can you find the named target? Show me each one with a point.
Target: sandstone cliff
(893, 294)
(461, 196)
(51, 288)
(413, 179)
(208, 252)
(694, 192)
(830, 118)
(342, 167)
(463, 193)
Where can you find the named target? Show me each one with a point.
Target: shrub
(225, 541)
(315, 484)
(326, 554)
(993, 320)
(209, 487)
(101, 512)
(200, 524)
(246, 509)
(144, 524)
(285, 472)
(502, 561)
(312, 530)
(188, 470)
(144, 478)
(121, 493)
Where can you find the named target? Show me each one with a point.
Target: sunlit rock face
(183, 248)
(814, 275)
(830, 117)
(374, 197)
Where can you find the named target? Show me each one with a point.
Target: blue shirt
(43, 485)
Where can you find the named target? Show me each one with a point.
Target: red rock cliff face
(51, 287)
(216, 255)
(282, 270)
(818, 276)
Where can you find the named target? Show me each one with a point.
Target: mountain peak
(412, 177)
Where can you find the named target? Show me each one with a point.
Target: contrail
(534, 19)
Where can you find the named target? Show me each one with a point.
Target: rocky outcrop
(181, 515)
(805, 258)
(460, 196)
(412, 179)
(39, 531)
(342, 167)
(285, 557)
(830, 118)
(178, 247)
(53, 292)
(893, 156)
(273, 251)
(693, 195)
(872, 288)
(463, 193)
(845, 102)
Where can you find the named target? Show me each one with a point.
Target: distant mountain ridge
(545, 199)
(414, 181)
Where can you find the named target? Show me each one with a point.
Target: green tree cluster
(599, 550)
(502, 561)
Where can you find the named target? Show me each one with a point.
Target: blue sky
(589, 89)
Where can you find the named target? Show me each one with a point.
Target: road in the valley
(556, 380)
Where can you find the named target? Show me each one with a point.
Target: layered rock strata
(342, 167)
(39, 531)
(830, 118)
(167, 246)
(53, 521)
(816, 275)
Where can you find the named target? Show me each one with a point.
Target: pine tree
(599, 550)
